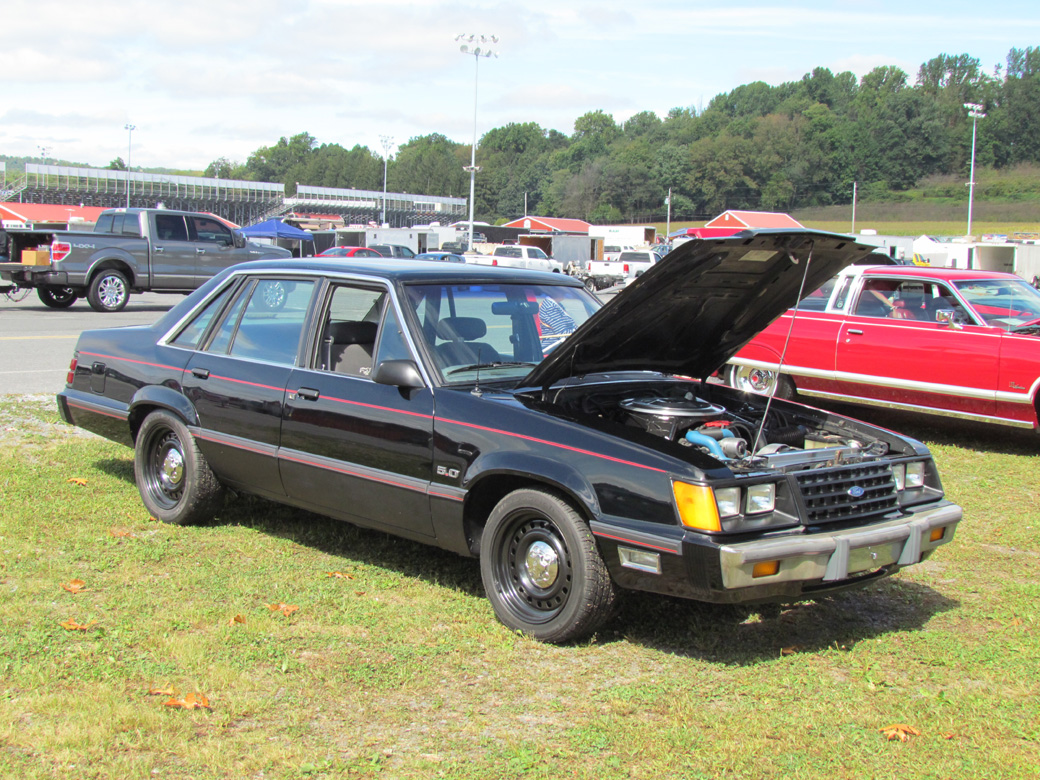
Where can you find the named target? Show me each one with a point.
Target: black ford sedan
(577, 450)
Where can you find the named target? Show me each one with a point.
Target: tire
(541, 570)
(176, 484)
(57, 297)
(590, 284)
(759, 381)
(108, 291)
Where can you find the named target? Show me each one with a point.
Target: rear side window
(170, 227)
(131, 225)
(104, 224)
(636, 257)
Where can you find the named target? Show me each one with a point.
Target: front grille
(828, 493)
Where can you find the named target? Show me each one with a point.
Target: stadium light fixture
(976, 113)
(129, 146)
(476, 52)
(388, 144)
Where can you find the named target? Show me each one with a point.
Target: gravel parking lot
(36, 342)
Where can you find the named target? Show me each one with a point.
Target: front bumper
(794, 565)
(834, 556)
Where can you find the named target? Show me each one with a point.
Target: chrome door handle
(855, 332)
(308, 393)
(200, 373)
(159, 250)
(200, 251)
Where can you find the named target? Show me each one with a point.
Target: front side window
(495, 331)
(213, 231)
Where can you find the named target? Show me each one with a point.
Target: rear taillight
(72, 371)
(494, 262)
(60, 250)
(626, 269)
(589, 269)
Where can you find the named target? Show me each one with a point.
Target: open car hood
(695, 308)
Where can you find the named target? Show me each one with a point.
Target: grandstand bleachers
(242, 202)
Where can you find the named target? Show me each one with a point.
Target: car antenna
(783, 352)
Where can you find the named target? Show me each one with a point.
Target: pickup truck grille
(847, 492)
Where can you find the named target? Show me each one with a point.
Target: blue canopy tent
(275, 229)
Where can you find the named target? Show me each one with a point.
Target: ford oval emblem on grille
(856, 491)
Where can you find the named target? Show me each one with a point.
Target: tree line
(778, 148)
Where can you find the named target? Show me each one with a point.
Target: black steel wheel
(108, 291)
(541, 569)
(176, 483)
(57, 297)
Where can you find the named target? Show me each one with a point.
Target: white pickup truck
(517, 256)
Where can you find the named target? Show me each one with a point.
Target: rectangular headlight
(761, 498)
(899, 475)
(728, 501)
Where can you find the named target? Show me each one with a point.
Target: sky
(205, 79)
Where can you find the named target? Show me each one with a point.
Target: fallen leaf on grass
(237, 619)
(900, 731)
(119, 533)
(77, 481)
(1015, 623)
(285, 609)
(192, 701)
(74, 586)
(167, 691)
(72, 625)
(790, 650)
(341, 575)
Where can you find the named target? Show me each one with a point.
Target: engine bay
(741, 430)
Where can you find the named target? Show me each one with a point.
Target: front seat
(461, 347)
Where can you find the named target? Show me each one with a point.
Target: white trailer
(625, 235)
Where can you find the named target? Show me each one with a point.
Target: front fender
(555, 473)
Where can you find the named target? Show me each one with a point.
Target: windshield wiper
(495, 364)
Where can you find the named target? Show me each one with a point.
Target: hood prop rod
(783, 352)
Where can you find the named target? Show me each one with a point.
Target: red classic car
(961, 343)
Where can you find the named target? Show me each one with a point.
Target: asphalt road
(36, 343)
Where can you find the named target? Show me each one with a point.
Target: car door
(236, 379)
(214, 247)
(173, 253)
(351, 447)
(892, 350)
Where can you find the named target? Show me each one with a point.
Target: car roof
(929, 272)
(408, 271)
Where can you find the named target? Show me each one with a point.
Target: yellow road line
(35, 338)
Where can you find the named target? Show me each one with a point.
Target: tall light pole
(388, 144)
(129, 145)
(477, 52)
(976, 113)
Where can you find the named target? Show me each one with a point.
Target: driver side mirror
(240, 240)
(398, 373)
(948, 317)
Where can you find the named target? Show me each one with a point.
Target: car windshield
(1003, 303)
(495, 331)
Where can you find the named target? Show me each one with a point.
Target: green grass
(402, 671)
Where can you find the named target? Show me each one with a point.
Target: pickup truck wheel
(541, 569)
(590, 284)
(108, 291)
(760, 381)
(57, 297)
(176, 483)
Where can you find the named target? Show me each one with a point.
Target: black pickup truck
(130, 250)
